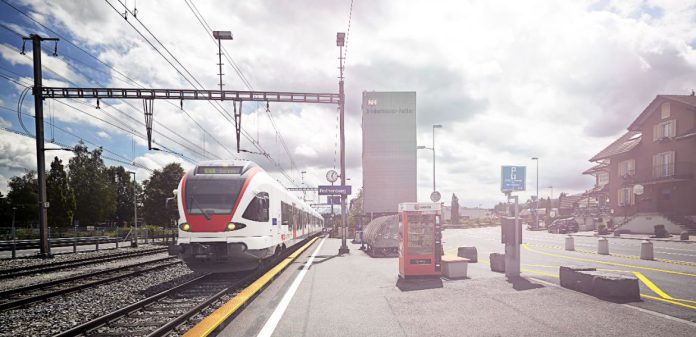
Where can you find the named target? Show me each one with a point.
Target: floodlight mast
(221, 35)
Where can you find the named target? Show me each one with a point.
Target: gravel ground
(16, 263)
(64, 312)
(23, 281)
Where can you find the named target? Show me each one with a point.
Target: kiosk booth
(420, 232)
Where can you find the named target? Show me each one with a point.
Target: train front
(213, 236)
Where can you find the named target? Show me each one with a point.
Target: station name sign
(334, 190)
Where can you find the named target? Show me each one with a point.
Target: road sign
(332, 176)
(435, 196)
(334, 190)
(334, 200)
(512, 178)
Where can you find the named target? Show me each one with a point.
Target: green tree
(356, 210)
(24, 196)
(95, 193)
(124, 193)
(60, 196)
(455, 209)
(5, 211)
(156, 190)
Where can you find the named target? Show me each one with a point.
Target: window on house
(663, 164)
(602, 178)
(626, 196)
(666, 129)
(664, 113)
(627, 167)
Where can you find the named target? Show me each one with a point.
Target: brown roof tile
(624, 144)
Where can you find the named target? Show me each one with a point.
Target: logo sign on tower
(512, 178)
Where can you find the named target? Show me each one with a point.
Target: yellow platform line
(219, 316)
(525, 246)
(652, 286)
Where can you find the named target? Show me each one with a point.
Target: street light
(135, 209)
(435, 126)
(536, 206)
(14, 234)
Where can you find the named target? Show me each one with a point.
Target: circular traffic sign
(332, 176)
(435, 196)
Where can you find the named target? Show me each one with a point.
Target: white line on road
(273, 321)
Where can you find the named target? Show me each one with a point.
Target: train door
(295, 222)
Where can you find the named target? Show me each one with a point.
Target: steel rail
(22, 271)
(45, 296)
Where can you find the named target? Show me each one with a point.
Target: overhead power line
(125, 78)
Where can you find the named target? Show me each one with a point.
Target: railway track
(172, 310)
(162, 313)
(42, 291)
(42, 268)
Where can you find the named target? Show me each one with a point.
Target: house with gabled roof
(648, 175)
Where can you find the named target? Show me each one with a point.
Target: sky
(508, 80)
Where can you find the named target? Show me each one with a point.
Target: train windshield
(210, 196)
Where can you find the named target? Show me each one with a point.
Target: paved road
(668, 284)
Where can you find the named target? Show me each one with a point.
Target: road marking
(634, 257)
(669, 301)
(652, 286)
(273, 321)
(526, 247)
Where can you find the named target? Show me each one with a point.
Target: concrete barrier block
(468, 253)
(646, 250)
(572, 279)
(603, 246)
(497, 262)
(454, 267)
(569, 243)
(615, 287)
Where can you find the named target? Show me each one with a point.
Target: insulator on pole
(147, 106)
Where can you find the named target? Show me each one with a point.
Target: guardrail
(27, 244)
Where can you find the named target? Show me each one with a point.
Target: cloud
(508, 80)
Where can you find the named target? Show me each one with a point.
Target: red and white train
(233, 216)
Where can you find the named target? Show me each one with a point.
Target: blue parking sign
(512, 178)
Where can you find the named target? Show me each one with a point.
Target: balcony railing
(670, 171)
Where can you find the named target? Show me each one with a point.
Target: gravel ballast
(64, 312)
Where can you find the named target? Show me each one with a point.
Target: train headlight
(185, 227)
(233, 226)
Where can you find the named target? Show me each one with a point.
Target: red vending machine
(421, 239)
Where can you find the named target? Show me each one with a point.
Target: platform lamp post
(14, 234)
(135, 210)
(435, 126)
(340, 43)
(536, 206)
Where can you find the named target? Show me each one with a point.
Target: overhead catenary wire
(209, 31)
(215, 104)
(125, 78)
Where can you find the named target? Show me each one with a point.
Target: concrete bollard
(603, 246)
(569, 243)
(646, 250)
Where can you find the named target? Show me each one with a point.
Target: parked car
(563, 226)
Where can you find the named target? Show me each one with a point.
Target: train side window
(258, 208)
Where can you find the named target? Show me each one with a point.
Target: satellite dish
(435, 196)
(638, 189)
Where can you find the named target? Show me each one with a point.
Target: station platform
(356, 295)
